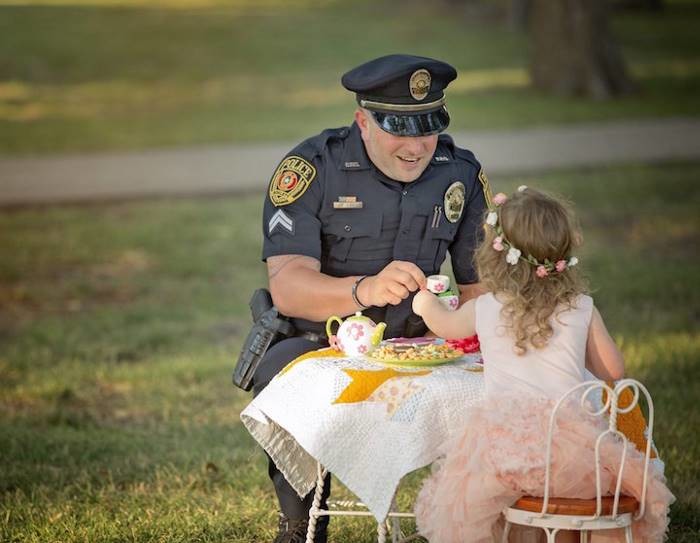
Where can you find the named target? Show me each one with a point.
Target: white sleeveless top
(547, 372)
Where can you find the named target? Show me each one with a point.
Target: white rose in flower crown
(513, 256)
(492, 218)
(573, 261)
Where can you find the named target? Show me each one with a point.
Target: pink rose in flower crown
(541, 271)
(500, 199)
(498, 243)
(560, 265)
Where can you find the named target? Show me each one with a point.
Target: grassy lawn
(131, 74)
(119, 325)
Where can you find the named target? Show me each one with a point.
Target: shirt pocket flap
(356, 226)
(359, 232)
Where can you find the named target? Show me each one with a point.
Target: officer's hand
(391, 285)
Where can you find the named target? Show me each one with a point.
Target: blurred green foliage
(131, 74)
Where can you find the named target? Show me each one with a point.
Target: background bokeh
(128, 74)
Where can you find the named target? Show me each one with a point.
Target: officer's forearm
(300, 290)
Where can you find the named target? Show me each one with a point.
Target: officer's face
(400, 158)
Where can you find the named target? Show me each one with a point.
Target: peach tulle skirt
(500, 456)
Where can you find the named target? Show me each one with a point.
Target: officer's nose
(415, 145)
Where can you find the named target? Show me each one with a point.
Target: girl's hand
(422, 300)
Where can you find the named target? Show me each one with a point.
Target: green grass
(130, 74)
(119, 325)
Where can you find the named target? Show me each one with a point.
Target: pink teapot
(357, 335)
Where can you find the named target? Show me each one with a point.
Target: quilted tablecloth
(367, 423)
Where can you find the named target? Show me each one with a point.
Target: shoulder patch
(486, 188)
(291, 179)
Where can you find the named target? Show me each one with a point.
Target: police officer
(355, 218)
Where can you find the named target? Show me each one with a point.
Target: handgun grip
(260, 302)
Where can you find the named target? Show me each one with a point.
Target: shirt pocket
(436, 241)
(353, 236)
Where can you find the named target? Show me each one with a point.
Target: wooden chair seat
(575, 506)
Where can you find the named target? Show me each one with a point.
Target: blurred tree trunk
(518, 13)
(574, 52)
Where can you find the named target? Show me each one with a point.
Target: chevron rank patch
(282, 221)
(291, 179)
(486, 187)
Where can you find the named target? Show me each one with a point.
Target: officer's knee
(277, 357)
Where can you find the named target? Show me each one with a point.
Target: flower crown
(501, 243)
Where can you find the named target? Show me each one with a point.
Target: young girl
(538, 331)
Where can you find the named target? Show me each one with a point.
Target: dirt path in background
(244, 168)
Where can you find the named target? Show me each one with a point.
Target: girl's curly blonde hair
(544, 228)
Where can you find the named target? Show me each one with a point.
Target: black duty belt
(313, 336)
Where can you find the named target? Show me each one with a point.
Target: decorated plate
(412, 341)
(411, 354)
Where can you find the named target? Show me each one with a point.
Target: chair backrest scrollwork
(610, 405)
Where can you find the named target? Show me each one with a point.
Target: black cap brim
(415, 124)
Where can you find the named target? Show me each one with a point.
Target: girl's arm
(442, 322)
(603, 358)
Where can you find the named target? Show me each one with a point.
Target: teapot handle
(330, 321)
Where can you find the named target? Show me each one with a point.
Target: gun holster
(269, 327)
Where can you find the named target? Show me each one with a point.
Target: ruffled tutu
(500, 456)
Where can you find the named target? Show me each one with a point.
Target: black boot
(294, 530)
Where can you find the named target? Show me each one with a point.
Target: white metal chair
(602, 512)
(356, 509)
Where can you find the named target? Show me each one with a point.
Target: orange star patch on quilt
(365, 382)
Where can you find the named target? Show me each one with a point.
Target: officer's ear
(363, 122)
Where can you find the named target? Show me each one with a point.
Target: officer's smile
(412, 163)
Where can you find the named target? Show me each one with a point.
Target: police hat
(403, 92)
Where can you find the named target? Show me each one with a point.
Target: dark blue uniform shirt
(396, 221)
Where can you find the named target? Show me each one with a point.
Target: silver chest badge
(454, 201)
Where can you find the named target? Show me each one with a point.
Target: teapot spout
(378, 334)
